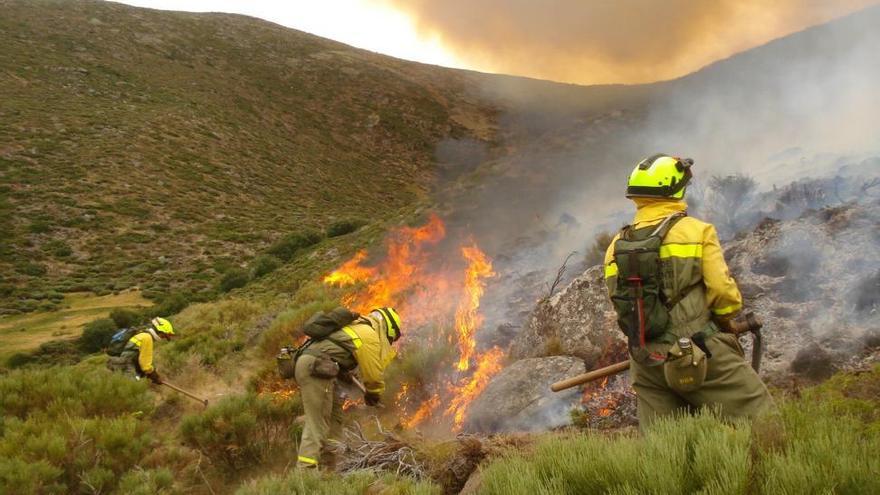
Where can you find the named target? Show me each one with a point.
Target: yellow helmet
(392, 322)
(162, 325)
(660, 176)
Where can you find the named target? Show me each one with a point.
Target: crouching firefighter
(677, 303)
(339, 342)
(131, 349)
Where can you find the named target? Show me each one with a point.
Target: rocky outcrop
(519, 397)
(577, 321)
(813, 280)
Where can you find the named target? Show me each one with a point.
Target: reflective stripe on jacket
(369, 346)
(691, 256)
(143, 342)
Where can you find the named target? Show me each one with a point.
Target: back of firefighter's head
(162, 327)
(392, 322)
(660, 176)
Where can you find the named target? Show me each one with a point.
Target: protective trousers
(323, 410)
(731, 385)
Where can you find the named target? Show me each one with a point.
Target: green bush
(125, 318)
(56, 352)
(19, 359)
(234, 279)
(343, 227)
(70, 391)
(77, 454)
(243, 431)
(264, 265)
(357, 483)
(288, 246)
(96, 335)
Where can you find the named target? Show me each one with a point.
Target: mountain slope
(146, 147)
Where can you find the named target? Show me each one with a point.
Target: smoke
(593, 42)
(799, 108)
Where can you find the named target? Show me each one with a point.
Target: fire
(467, 320)
(488, 364)
(403, 269)
(351, 272)
(432, 290)
(422, 413)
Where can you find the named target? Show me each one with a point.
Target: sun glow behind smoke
(360, 23)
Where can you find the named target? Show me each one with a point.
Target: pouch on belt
(685, 367)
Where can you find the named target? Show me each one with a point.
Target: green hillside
(158, 150)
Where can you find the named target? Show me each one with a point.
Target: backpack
(322, 324)
(119, 340)
(318, 327)
(641, 306)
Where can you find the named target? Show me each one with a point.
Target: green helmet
(162, 325)
(392, 322)
(660, 176)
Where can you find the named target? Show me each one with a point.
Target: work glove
(372, 399)
(154, 377)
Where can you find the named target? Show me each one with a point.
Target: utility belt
(685, 363)
(324, 365)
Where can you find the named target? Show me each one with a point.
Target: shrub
(823, 442)
(31, 268)
(96, 335)
(19, 359)
(70, 391)
(125, 318)
(343, 227)
(234, 279)
(169, 305)
(56, 352)
(242, 431)
(264, 265)
(357, 483)
(288, 246)
(596, 251)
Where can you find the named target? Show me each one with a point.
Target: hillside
(159, 149)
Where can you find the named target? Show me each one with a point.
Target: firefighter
(131, 350)
(366, 344)
(676, 301)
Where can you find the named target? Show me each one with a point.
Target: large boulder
(813, 280)
(519, 397)
(576, 321)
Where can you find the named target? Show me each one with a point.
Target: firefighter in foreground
(340, 341)
(131, 349)
(677, 303)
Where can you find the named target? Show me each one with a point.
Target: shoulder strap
(667, 224)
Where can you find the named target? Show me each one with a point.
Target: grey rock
(519, 397)
(576, 321)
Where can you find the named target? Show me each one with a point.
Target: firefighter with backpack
(677, 303)
(339, 341)
(131, 349)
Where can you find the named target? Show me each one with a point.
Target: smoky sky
(604, 41)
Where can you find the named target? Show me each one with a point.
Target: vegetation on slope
(161, 150)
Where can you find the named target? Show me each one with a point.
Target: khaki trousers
(323, 410)
(731, 385)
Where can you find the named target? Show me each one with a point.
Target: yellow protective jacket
(143, 342)
(365, 340)
(691, 254)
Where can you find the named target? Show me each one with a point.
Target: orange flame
(467, 320)
(422, 413)
(351, 272)
(427, 292)
(488, 364)
(401, 271)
